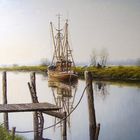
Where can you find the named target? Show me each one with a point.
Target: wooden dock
(37, 108)
(28, 107)
(47, 108)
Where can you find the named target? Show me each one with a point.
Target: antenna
(67, 15)
(59, 16)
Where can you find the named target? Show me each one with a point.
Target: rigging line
(30, 131)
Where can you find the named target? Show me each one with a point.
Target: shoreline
(114, 73)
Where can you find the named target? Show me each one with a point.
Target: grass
(4, 135)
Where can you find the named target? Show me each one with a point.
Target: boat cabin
(63, 65)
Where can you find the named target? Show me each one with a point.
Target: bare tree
(138, 62)
(104, 57)
(44, 62)
(93, 58)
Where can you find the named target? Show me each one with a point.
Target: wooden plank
(54, 114)
(28, 107)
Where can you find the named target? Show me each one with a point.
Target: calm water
(117, 108)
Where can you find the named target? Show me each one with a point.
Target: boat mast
(54, 43)
(62, 49)
(67, 45)
(57, 42)
(59, 39)
(68, 50)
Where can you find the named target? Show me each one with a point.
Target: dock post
(65, 127)
(4, 90)
(4, 87)
(97, 131)
(33, 80)
(91, 108)
(37, 115)
(13, 133)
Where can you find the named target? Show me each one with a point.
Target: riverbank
(114, 73)
(25, 68)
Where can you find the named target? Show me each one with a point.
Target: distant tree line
(44, 62)
(138, 62)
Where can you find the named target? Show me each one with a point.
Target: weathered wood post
(13, 133)
(4, 90)
(33, 80)
(91, 108)
(97, 131)
(65, 127)
(32, 87)
(38, 117)
(4, 87)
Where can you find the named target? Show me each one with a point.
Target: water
(117, 108)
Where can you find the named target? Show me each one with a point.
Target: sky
(93, 24)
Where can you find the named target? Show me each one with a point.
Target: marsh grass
(112, 73)
(125, 73)
(24, 68)
(4, 135)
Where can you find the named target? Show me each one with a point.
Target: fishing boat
(62, 61)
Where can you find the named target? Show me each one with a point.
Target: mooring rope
(30, 131)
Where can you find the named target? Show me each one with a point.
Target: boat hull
(62, 76)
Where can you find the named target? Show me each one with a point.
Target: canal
(117, 107)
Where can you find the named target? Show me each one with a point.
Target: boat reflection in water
(64, 97)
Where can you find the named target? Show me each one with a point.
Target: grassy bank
(4, 135)
(125, 73)
(24, 68)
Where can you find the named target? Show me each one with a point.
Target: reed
(4, 135)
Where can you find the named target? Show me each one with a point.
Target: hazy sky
(111, 24)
